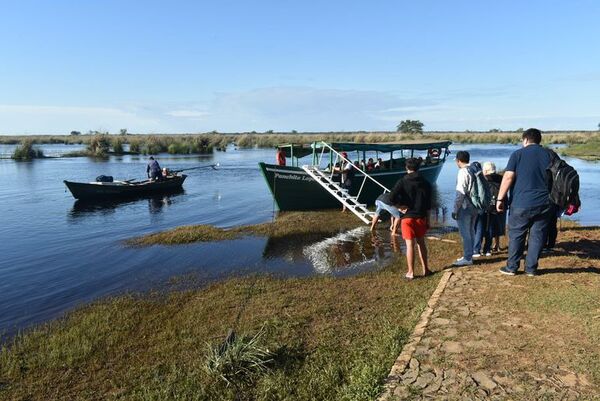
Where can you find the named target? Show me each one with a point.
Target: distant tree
(295, 132)
(74, 133)
(495, 130)
(269, 131)
(410, 127)
(520, 129)
(123, 131)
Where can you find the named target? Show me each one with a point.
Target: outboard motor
(104, 178)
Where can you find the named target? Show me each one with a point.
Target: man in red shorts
(413, 195)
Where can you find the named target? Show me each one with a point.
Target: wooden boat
(124, 189)
(294, 186)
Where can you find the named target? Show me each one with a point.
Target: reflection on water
(83, 208)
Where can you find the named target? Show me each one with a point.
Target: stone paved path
(475, 347)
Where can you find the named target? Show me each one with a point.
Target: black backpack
(494, 189)
(104, 178)
(564, 187)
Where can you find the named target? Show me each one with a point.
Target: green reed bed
(588, 151)
(287, 224)
(26, 151)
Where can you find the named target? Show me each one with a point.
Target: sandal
(406, 276)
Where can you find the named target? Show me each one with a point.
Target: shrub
(25, 151)
(117, 145)
(99, 145)
(238, 359)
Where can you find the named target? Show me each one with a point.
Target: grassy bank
(587, 151)
(202, 143)
(324, 338)
(328, 339)
(287, 224)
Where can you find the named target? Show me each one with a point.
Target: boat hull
(104, 191)
(293, 189)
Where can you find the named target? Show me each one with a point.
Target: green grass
(287, 224)
(327, 339)
(588, 151)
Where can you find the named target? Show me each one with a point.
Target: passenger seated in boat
(370, 164)
(363, 165)
(380, 165)
(153, 170)
(165, 172)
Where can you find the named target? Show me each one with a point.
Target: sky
(234, 66)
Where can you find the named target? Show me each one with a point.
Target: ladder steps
(341, 194)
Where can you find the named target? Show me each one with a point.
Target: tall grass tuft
(99, 145)
(238, 359)
(117, 145)
(26, 151)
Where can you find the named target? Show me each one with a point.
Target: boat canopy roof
(296, 150)
(383, 147)
(299, 150)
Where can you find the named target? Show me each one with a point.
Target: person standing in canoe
(153, 170)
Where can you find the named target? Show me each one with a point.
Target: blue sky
(195, 66)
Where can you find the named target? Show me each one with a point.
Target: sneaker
(476, 255)
(463, 262)
(532, 274)
(488, 254)
(507, 271)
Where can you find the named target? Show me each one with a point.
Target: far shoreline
(581, 144)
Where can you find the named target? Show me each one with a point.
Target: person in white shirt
(464, 212)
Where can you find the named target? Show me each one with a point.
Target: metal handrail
(364, 173)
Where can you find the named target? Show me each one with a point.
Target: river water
(57, 253)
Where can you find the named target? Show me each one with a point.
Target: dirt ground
(501, 337)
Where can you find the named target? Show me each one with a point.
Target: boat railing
(340, 156)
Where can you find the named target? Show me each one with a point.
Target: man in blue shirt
(153, 170)
(526, 177)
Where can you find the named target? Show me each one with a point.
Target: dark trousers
(552, 230)
(520, 221)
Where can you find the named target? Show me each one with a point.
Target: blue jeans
(520, 221)
(483, 231)
(466, 228)
(390, 209)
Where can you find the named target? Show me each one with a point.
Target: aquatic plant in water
(26, 151)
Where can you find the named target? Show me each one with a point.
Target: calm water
(58, 253)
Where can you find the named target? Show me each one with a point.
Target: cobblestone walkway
(472, 347)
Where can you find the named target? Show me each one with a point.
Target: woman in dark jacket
(491, 224)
